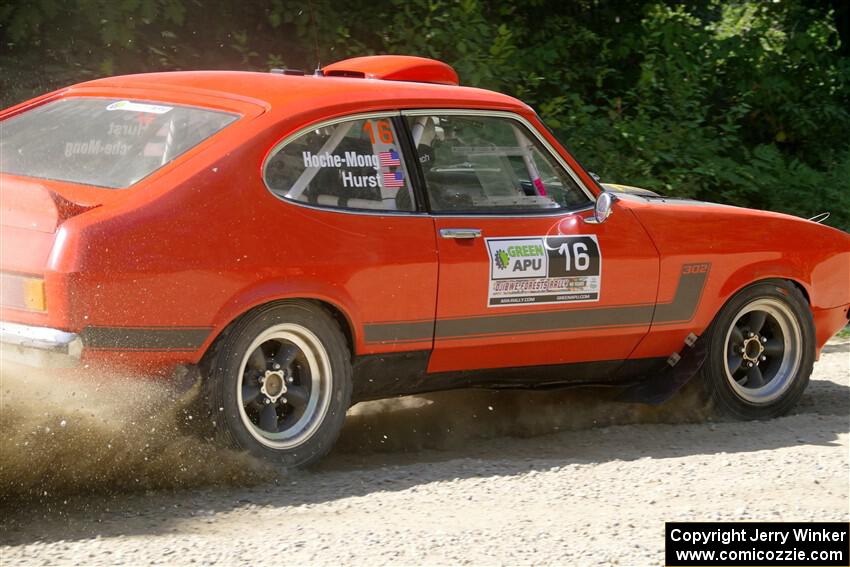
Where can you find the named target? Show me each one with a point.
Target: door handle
(460, 233)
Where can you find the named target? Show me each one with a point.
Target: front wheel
(761, 351)
(280, 381)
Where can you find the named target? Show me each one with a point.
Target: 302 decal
(695, 268)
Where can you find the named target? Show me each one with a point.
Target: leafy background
(739, 102)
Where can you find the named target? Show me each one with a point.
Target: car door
(526, 277)
(353, 221)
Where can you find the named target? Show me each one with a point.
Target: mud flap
(661, 386)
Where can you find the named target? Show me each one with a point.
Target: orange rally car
(301, 242)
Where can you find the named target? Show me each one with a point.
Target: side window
(355, 165)
(481, 164)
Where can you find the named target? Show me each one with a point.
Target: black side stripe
(145, 338)
(682, 308)
(399, 332)
(544, 321)
(685, 301)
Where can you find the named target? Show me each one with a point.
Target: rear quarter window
(104, 142)
(355, 164)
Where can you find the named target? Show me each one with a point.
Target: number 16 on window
(384, 131)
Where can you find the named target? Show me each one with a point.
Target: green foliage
(742, 102)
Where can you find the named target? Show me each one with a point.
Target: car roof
(297, 93)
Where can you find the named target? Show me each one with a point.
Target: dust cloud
(453, 419)
(62, 435)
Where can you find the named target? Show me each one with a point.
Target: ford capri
(300, 242)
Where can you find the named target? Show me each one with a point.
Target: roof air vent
(394, 68)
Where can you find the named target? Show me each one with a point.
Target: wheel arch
(762, 272)
(748, 276)
(257, 299)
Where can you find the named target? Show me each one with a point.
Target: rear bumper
(39, 347)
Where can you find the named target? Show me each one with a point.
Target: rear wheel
(761, 351)
(280, 381)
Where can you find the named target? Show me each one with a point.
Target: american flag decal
(393, 179)
(388, 159)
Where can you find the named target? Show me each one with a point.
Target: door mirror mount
(603, 208)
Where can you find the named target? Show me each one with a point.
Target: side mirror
(603, 209)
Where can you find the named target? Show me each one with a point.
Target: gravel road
(478, 478)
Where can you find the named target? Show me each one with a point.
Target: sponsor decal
(139, 107)
(543, 270)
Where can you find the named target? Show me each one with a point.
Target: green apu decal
(541, 270)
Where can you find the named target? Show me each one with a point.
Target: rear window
(105, 142)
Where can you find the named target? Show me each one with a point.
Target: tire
(769, 376)
(279, 383)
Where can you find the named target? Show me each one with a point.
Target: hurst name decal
(545, 269)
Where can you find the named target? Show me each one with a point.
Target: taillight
(20, 291)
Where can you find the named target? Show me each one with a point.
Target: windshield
(105, 142)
